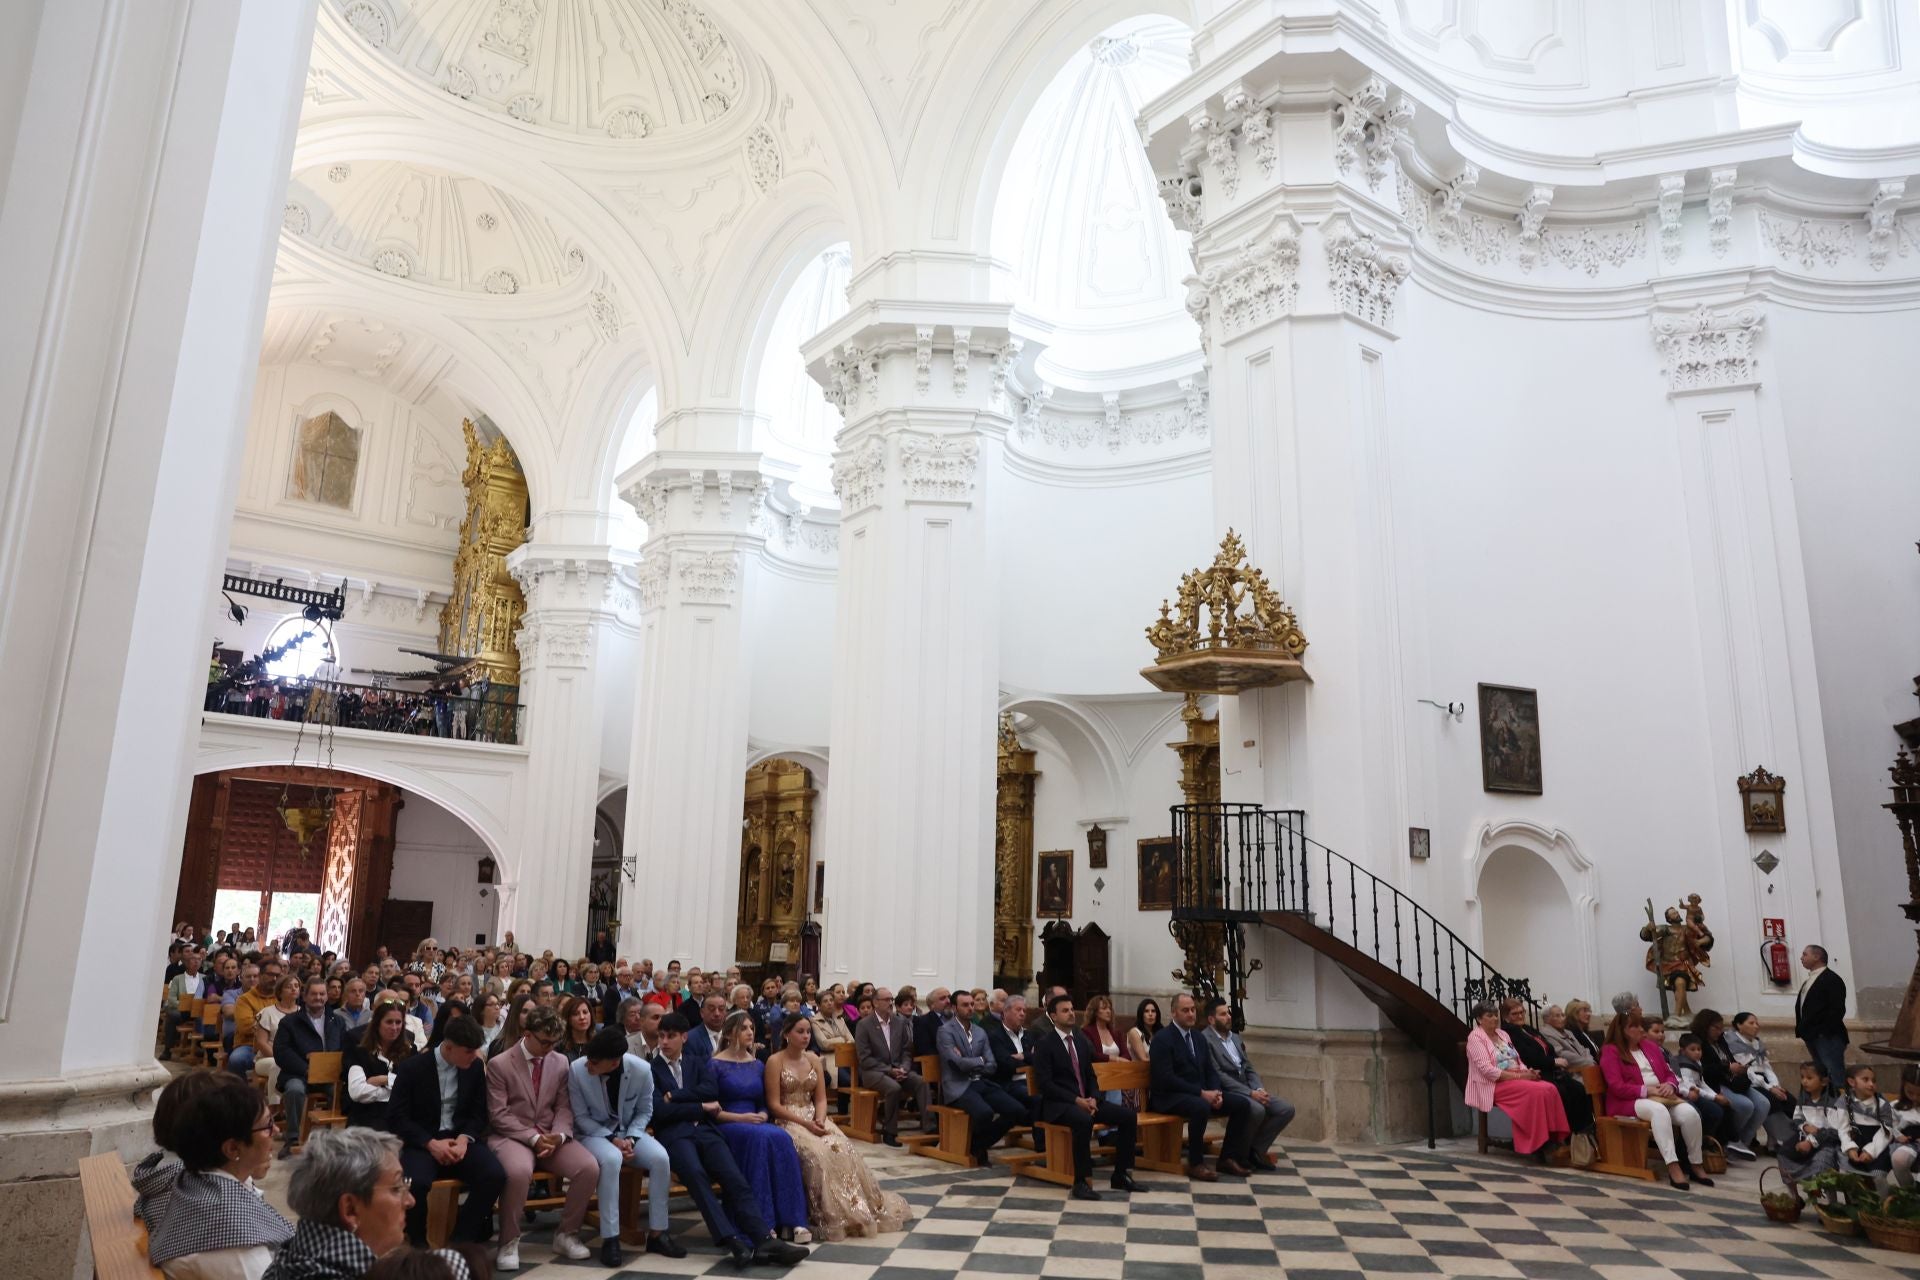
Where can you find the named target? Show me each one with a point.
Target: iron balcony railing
(1237, 862)
(462, 717)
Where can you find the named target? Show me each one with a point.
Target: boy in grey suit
(1271, 1115)
(612, 1095)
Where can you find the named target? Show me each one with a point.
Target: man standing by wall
(1820, 1014)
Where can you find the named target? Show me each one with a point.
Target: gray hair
(626, 1006)
(339, 1162)
(1626, 1002)
(1019, 1002)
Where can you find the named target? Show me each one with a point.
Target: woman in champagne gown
(843, 1198)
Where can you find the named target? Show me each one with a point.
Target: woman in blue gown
(764, 1151)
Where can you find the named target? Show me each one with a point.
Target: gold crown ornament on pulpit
(1226, 630)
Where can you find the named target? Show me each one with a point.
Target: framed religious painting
(1097, 847)
(1763, 801)
(1055, 899)
(1156, 873)
(1510, 739)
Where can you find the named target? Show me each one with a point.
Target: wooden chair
(861, 1121)
(1622, 1142)
(186, 1034)
(443, 1202)
(119, 1239)
(1160, 1134)
(213, 1050)
(324, 1071)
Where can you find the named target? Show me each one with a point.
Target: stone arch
(1523, 888)
(1096, 760)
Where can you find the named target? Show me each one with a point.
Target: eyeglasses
(401, 1186)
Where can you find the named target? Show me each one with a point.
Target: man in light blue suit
(612, 1092)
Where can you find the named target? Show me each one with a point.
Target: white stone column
(1756, 639)
(569, 593)
(704, 516)
(909, 838)
(146, 157)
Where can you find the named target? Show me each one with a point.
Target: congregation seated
(1498, 1077)
(530, 1126)
(354, 1202)
(438, 1111)
(211, 1223)
(1726, 1076)
(967, 1065)
(843, 1198)
(1184, 1082)
(703, 1038)
(1764, 1083)
(1537, 1055)
(370, 1063)
(612, 1095)
(1147, 1023)
(763, 1151)
(1067, 1094)
(577, 1027)
(926, 1027)
(1640, 1085)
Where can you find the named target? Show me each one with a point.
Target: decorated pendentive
(1225, 630)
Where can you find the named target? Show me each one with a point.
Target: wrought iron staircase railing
(1241, 864)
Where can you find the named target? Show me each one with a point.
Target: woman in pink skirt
(1497, 1078)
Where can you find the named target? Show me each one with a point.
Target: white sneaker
(568, 1246)
(508, 1259)
(1742, 1150)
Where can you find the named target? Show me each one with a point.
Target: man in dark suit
(1064, 1085)
(686, 1104)
(1820, 1014)
(884, 1045)
(438, 1110)
(310, 1029)
(703, 1041)
(1012, 1045)
(1183, 1082)
(926, 1027)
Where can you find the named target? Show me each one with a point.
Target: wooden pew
(1622, 1142)
(1161, 1135)
(119, 1239)
(863, 1105)
(329, 1112)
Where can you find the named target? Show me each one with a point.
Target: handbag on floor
(1581, 1151)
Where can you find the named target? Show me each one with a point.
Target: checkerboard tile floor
(1327, 1215)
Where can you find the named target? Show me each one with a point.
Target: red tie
(537, 1064)
(1074, 1057)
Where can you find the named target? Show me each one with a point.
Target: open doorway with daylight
(354, 862)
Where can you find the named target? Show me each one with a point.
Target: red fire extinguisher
(1773, 952)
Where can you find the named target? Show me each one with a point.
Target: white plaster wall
(618, 660)
(408, 501)
(437, 857)
(789, 642)
(1085, 571)
(1854, 455)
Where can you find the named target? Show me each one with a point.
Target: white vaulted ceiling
(612, 69)
(416, 223)
(1080, 221)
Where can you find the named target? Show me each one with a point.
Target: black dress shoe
(740, 1251)
(666, 1246)
(611, 1254)
(778, 1253)
(1123, 1181)
(1081, 1191)
(889, 1140)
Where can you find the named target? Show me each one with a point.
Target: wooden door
(403, 923)
(1092, 964)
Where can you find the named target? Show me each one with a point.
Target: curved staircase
(1242, 864)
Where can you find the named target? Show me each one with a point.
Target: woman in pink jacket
(1641, 1085)
(1497, 1078)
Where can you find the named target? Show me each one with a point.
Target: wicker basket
(1714, 1157)
(1838, 1224)
(1787, 1213)
(1892, 1233)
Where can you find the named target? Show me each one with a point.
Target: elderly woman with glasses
(352, 1200)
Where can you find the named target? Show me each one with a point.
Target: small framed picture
(1156, 873)
(1419, 843)
(1097, 847)
(1763, 800)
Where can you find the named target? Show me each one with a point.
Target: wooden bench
(213, 1049)
(1161, 1135)
(119, 1239)
(954, 1142)
(1622, 1142)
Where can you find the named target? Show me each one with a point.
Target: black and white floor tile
(1327, 1215)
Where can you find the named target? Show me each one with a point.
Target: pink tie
(537, 1064)
(1074, 1057)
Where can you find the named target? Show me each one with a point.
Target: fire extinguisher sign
(1774, 929)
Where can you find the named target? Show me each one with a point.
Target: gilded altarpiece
(1013, 863)
(776, 854)
(1204, 945)
(483, 613)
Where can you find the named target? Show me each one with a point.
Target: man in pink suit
(530, 1113)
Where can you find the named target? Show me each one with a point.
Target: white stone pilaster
(688, 776)
(1756, 638)
(909, 838)
(569, 593)
(147, 149)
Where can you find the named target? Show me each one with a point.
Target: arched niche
(1532, 893)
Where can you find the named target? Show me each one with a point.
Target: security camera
(1193, 186)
